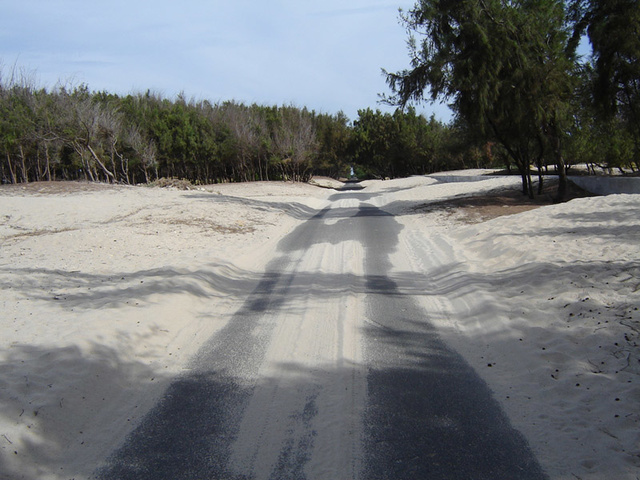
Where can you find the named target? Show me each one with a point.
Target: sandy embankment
(544, 304)
(108, 291)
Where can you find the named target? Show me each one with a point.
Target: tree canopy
(509, 69)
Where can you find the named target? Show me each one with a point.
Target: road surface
(330, 370)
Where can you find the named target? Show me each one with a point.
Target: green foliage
(614, 32)
(73, 133)
(504, 66)
(598, 136)
(615, 36)
(333, 137)
(399, 144)
(78, 134)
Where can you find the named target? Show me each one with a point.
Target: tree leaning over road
(506, 67)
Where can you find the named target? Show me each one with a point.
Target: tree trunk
(25, 178)
(48, 165)
(113, 161)
(124, 167)
(525, 189)
(259, 168)
(11, 171)
(88, 174)
(540, 180)
(562, 179)
(39, 171)
(560, 165)
(110, 175)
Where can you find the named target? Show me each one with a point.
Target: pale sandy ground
(107, 292)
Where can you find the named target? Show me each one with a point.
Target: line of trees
(77, 134)
(70, 133)
(511, 72)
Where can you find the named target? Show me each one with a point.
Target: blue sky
(326, 55)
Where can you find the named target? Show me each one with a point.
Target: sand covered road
(115, 296)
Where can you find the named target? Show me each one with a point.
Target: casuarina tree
(504, 66)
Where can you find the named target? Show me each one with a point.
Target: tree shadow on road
(64, 409)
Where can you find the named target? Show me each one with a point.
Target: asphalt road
(329, 370)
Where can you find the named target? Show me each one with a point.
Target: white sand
(107, 293)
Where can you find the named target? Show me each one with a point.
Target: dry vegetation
(55, 187)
